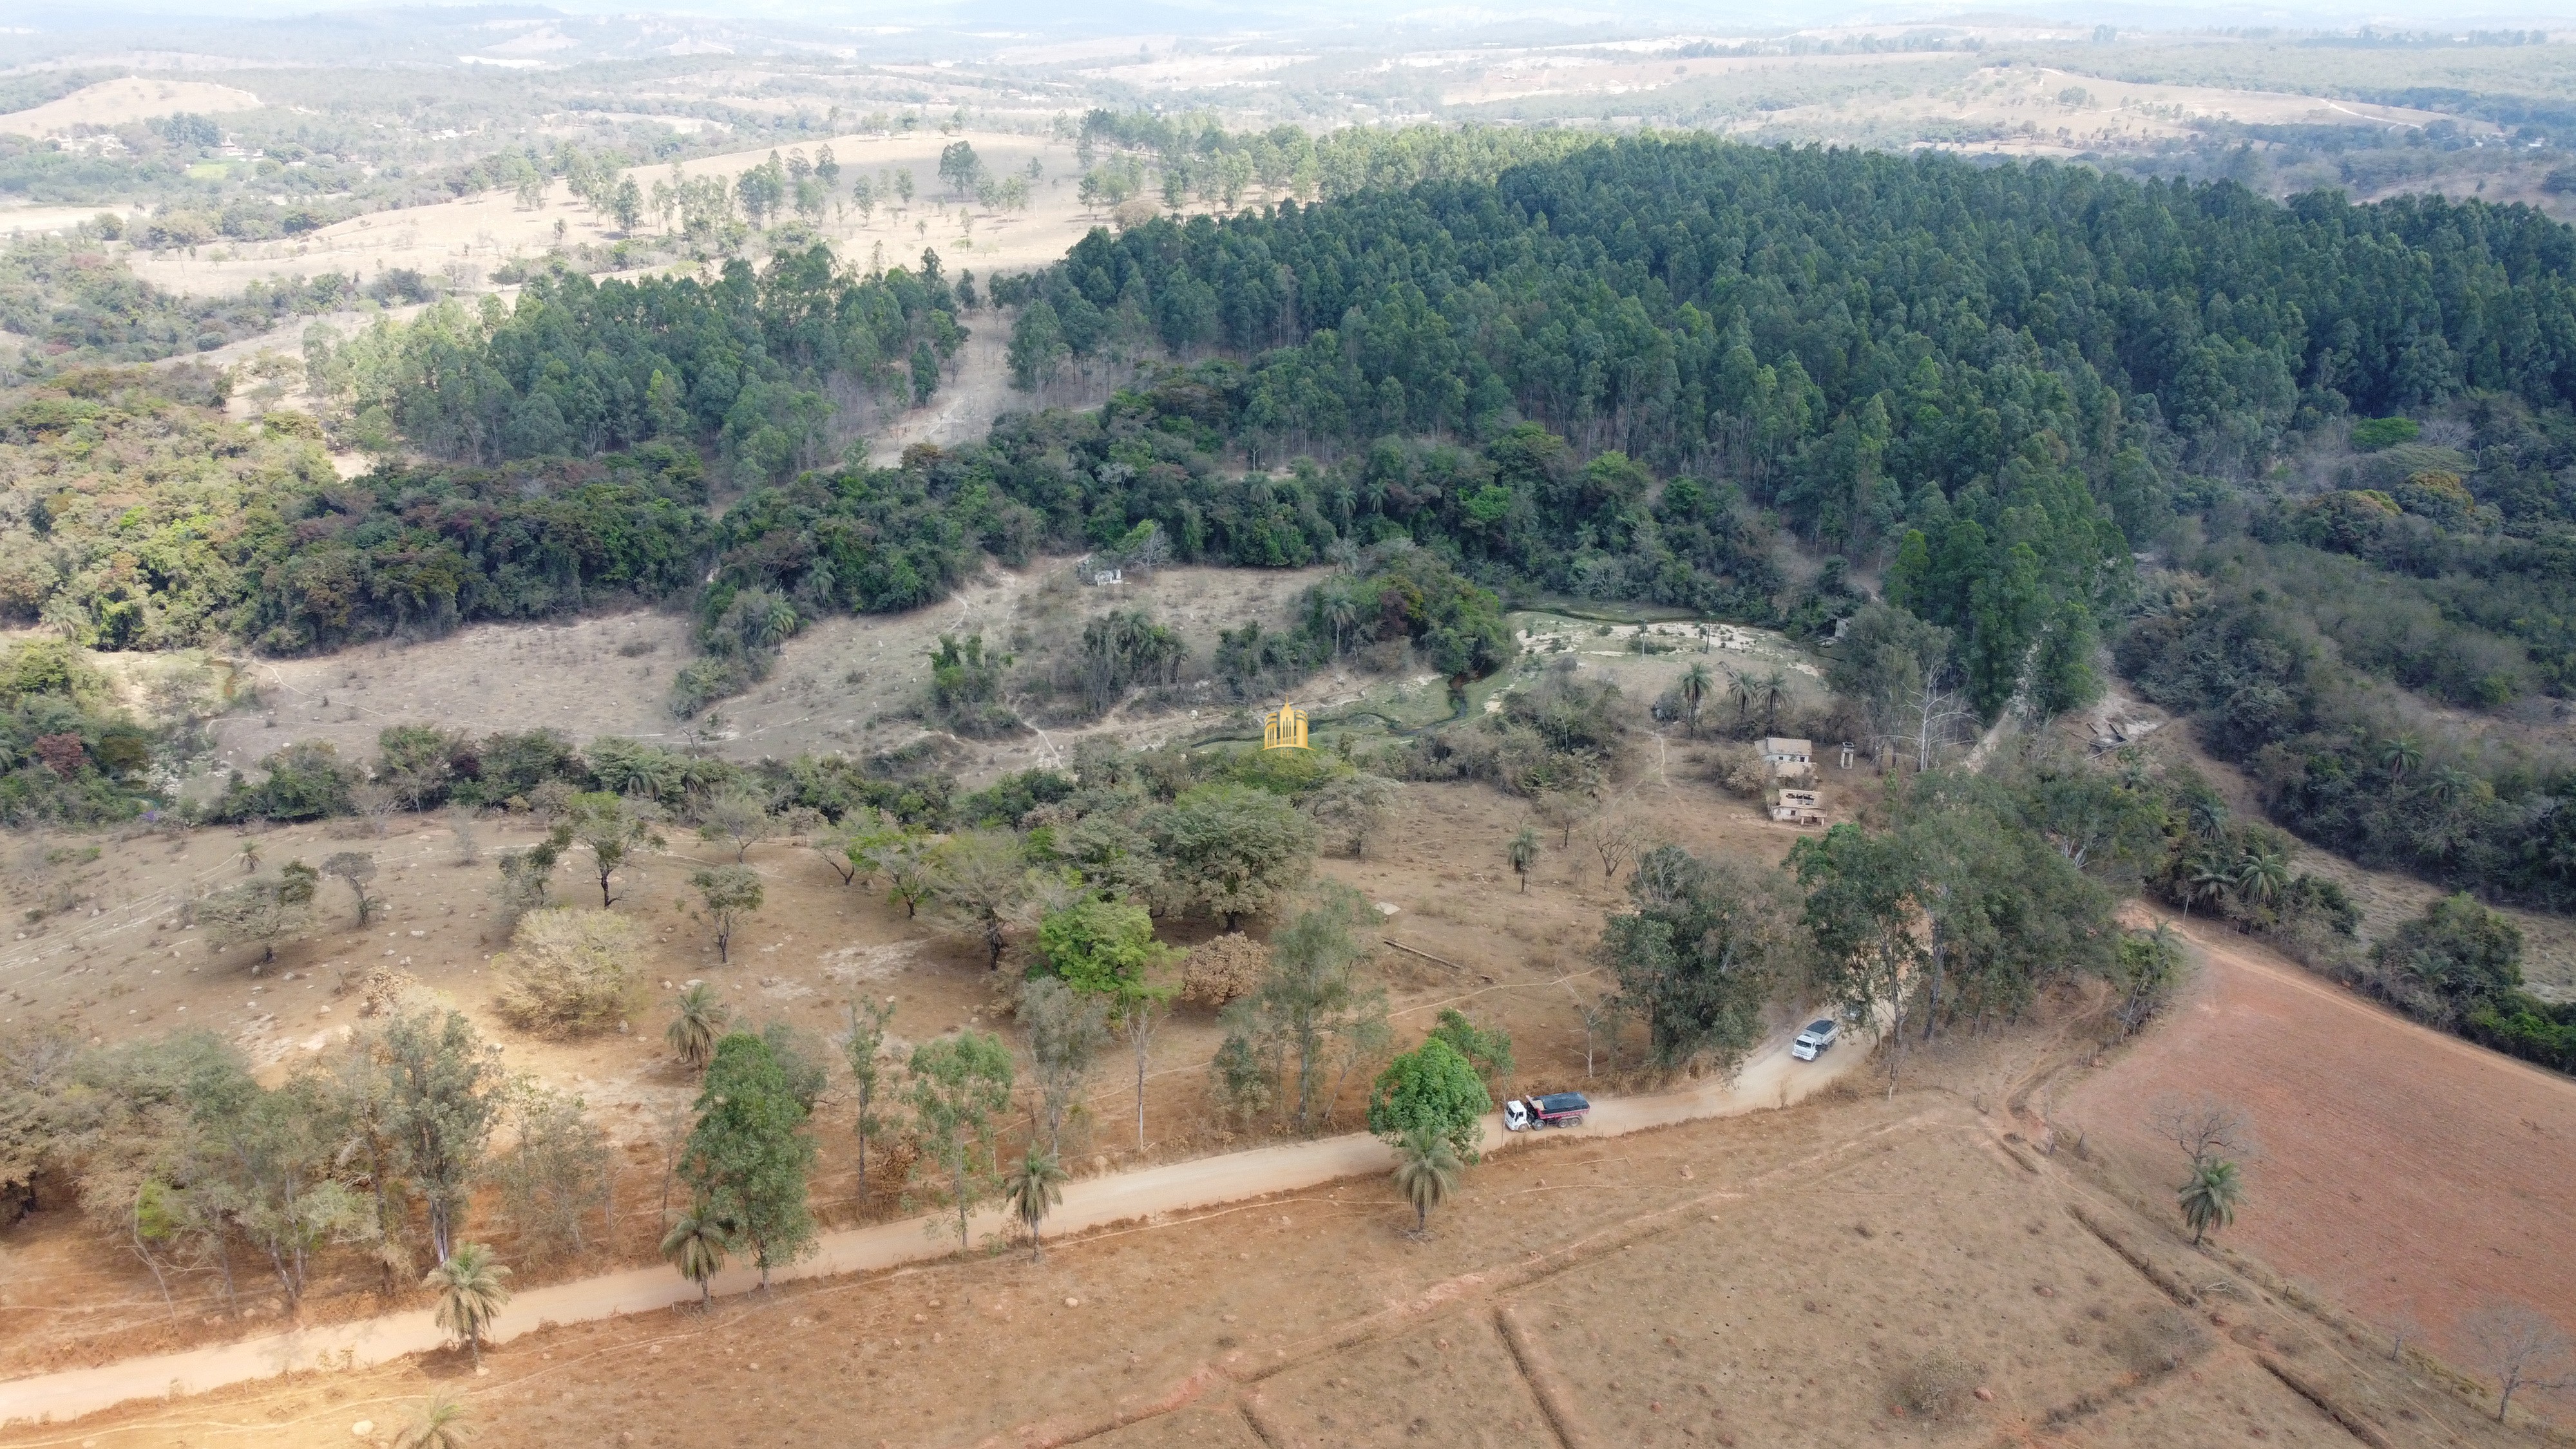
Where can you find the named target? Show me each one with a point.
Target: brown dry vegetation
(843, 684)
(1773, 1279)
(480, 232)
(1779, 1279)
(2403, 1174)
(67, 1298)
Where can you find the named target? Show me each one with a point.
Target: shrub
(1936, 1385)
(2371, 434)
(566, 971)
(2158, 1341)
(1224, 968)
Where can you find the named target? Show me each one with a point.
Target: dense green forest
(136, 517)
(1618, 372)
(578, 367)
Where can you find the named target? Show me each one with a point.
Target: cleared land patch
(2402, 1172)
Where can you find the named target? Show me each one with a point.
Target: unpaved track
(1770, 1078)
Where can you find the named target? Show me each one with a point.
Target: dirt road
(1770, 1078)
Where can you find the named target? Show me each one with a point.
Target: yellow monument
(1284, 730)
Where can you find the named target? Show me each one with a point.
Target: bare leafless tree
(2204, 1127)
(1617, 836)
(1600, 1017)
(2522, 1347)
(376, 801)
(1561, 811)
(1930, 718)
(460, 823)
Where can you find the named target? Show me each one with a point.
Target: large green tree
(1706, 946)
(1107, 950)
(1230, 850)
(748, 1158)
(957, 1088)
(1430, 1088)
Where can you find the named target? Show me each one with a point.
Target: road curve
(1770, 1078)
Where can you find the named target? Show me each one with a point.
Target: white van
(1816, 1040)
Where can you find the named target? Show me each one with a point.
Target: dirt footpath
(2403, 1173)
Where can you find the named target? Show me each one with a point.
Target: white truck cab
(1816, 1040)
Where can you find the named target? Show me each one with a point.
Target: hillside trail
(1769, 1078)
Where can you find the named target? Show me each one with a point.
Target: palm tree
(700, 1020)
(1696, 682)
(2208, 817)
(2209, 1199)
(2399, 755)
(1773, 690)
(2263, 876)
(2206, 875)
(470, 1293)
(1522, 853)
(697, 1245)
(1426, 1172)
(441, 1425)
(1033, 1186)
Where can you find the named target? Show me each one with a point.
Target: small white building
(1778, 749)
(1788, 759)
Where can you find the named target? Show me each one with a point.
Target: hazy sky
(1206, 17)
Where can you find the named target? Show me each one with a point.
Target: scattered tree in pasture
(1106, 950)
(976, 881)
(1521, 853)
(1034, 1184)
(1230, 850)
(1067, 1030)
(444, 1096)
(440, 1424)
(560, 1170)
(472, 1290)
(863, 1047)
(2210, 1195)
(697, 1244)
(1487, 1049)
(738, 817)
(1311, 1021)
(613, 831)
(1352, 808)
(698, 1018)
(526, 876)
(957, 1087)
(731, 892)
(1705, 949)
(1431, 1087)
(1427, 1170)
(263, 911)
(357, 868)
(2204, 1127)
(2522, 1347)
(1695, 686)
(748, 1158)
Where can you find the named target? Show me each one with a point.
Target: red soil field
(2400, 1172)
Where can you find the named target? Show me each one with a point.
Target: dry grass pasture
(843, 684)
(1785, 1278)
(126, 100)
(2406, 1175)
(111, 960)
(473, 234)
